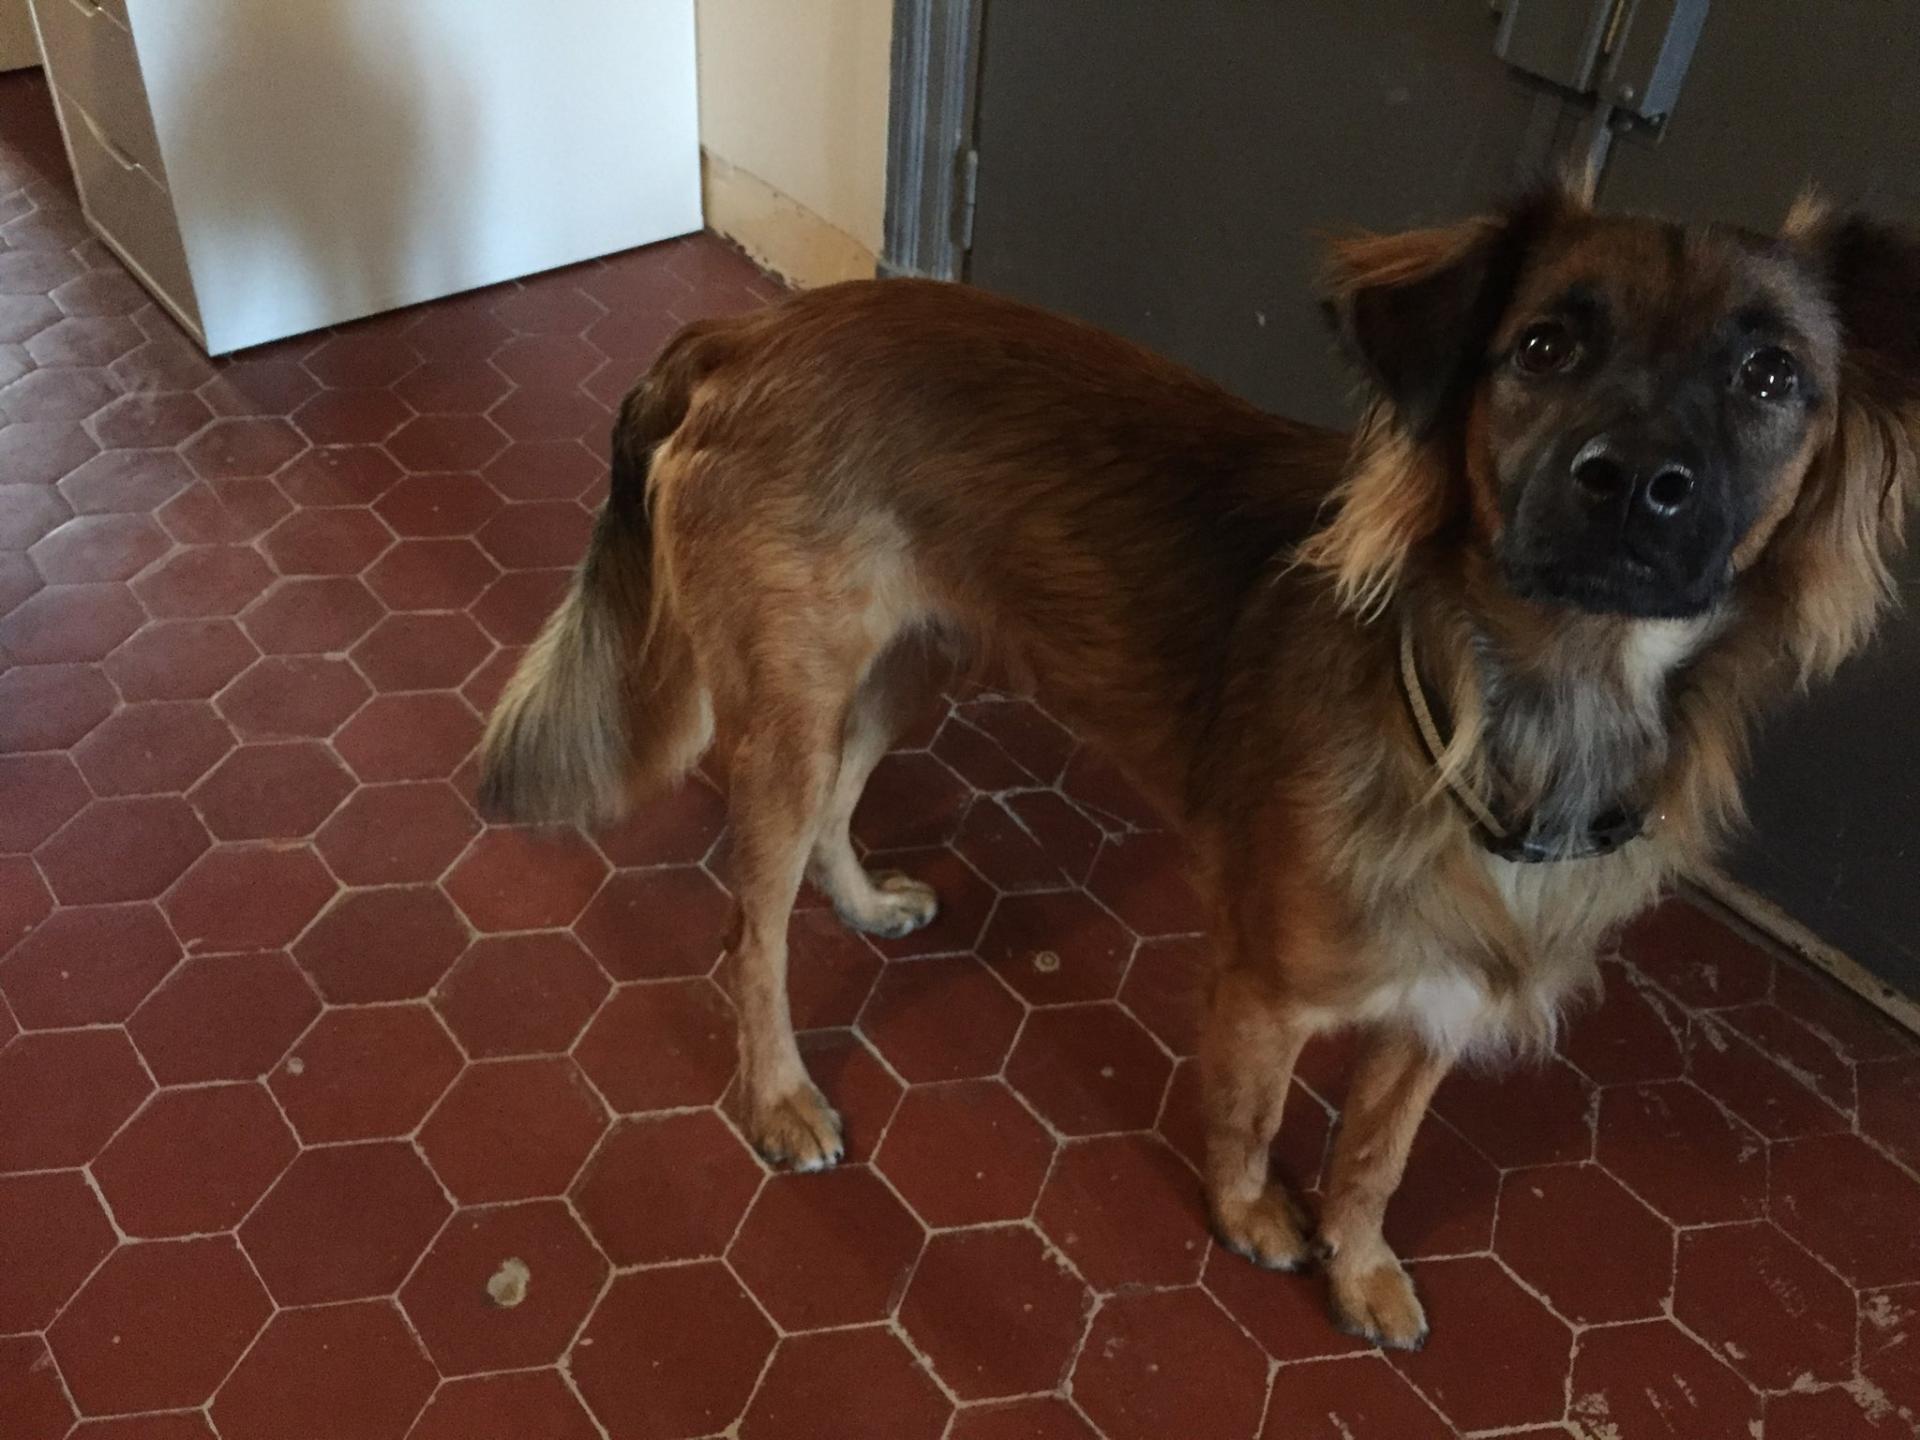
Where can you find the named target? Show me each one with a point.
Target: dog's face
(1650, 396)
(1632, 409)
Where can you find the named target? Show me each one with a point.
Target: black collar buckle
(1609, 831)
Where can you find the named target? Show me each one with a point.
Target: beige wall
(18, 46)
(793, 117)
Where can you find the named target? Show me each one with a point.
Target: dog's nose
(1611, 473)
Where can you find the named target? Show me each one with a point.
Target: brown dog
(1437, 704)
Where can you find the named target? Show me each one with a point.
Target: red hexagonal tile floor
(324, 1106)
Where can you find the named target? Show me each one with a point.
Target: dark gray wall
(1779, 95)
(1171, 170)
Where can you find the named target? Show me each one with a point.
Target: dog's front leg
(1372, 1294)
(1252, 1038)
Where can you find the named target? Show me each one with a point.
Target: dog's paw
(1378, 1304)
(798, 1130)
(1268, 1232)
(896, 905)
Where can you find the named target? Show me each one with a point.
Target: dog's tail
(606, 701)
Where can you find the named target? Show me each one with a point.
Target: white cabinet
(267, 167)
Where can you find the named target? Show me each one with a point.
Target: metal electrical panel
(1630, 54)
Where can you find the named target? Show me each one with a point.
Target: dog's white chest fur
(1454, 1013)
(1564, 911)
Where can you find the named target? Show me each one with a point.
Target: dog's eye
(1545, 348)
(1769, 374)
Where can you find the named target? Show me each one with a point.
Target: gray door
(1168, 171)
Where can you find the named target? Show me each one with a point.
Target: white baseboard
(1780, 932)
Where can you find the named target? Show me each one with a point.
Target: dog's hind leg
(1252, 1038)
(782, 775)
(888, 904)
(826, 689)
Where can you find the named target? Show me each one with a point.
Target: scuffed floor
(327, 1112)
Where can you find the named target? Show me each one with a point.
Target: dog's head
(1634, 417)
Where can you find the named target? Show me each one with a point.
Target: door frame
(932, 90)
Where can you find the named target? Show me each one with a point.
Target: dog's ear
(1850, 517)
(1873, 274)
(1418, 309)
